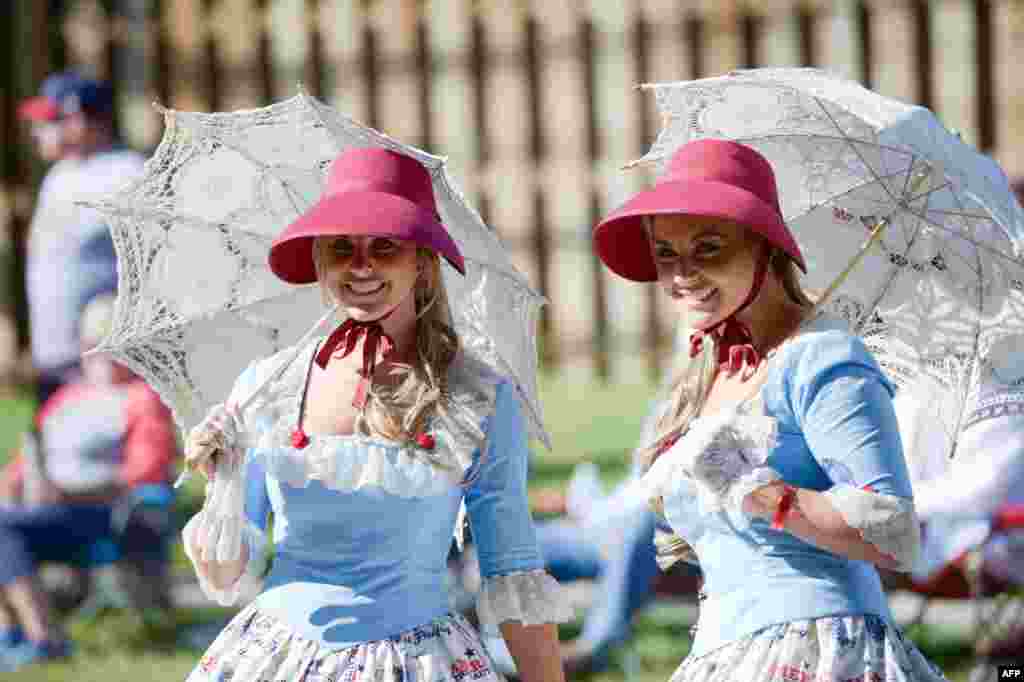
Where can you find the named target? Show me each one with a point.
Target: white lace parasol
(940, 292)
(197, 301)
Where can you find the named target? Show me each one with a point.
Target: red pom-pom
(425, 441)
(299, 439)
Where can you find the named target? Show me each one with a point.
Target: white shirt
(70, 253)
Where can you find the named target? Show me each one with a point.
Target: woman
(777, 460)
(371, 440)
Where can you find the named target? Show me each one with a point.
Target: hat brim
(360, 213)
(38, 109)
(622, 243)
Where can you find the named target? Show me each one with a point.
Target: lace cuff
(886, 521)
(530, 597)
(220, 529)
(207, 533)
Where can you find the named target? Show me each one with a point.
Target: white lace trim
(350, 462)
(221, 539)
(718, 452)
(529, 597)
(220, 529)
(886, 521)
(1003, 404)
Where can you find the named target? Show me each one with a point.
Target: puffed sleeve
(843, 406)
(234, 515)
(515, 585)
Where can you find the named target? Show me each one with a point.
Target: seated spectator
(957, 493)
(100, 438)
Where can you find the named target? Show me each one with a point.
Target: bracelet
(785, 505)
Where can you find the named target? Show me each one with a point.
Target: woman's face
(706, 265)
(369, 276)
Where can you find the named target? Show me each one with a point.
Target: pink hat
(708, 177)
(370, 191)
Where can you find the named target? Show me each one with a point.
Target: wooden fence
(533, 101)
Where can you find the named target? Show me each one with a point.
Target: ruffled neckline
(349, 462)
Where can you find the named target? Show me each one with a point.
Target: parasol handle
(876, 234)
(285, 364)
(299, 347)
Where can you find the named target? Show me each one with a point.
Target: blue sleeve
(496, 501)
(257, 501)
(843, 405)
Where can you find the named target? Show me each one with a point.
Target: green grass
(585, 421)
(15, 417)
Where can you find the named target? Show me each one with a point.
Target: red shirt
(122, 430)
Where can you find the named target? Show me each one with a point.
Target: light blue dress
(362, 529)
(777, 607)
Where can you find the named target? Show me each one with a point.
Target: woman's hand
(221, 574)
(764, 501)
(217, 433)
(548, 501)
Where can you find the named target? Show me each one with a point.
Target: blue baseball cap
(67, 93)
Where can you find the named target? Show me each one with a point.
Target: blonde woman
(373, 439)
(777, 461)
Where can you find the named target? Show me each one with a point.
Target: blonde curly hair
(403, 412)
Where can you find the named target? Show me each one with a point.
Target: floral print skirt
(255, 647)
(831, 649)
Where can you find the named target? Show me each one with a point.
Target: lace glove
(217, 533)
(220, 431)
(726, 456)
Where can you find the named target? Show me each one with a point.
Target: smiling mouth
(364, 288)
(697, 295)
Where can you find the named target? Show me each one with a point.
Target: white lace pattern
(886, 521)
(220, 529)
(724, 454)
(529, 597)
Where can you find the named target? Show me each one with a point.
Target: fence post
(394, 23)
(563, 191)
(782, 24)
(722, 42)
(342, 23)
(617, 114)
(187, 29)
(454, 128)
(507, 175)
(285, 54)
(837, 38)
(954, 72)
(1009, 101)
(894, 58)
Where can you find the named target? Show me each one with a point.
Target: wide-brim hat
(711, 178)
(370, 192)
